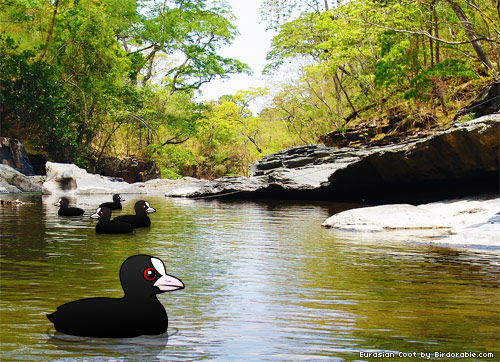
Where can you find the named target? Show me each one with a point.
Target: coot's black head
(142, 207)
(102, 213)
(63, 202)
(145, 275)
(117, 198)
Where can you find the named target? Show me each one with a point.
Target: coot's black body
(115, 205)
(140, 219)
(65, 210)
(107, 226)
(137, 313)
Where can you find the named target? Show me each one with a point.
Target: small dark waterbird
(140, 219)
(137, 313)
(115, 205)
(107, 226)
(65, 210)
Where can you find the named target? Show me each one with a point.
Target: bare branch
(427, 34)
(49, 34)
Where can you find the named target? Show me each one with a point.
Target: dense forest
(82, 80)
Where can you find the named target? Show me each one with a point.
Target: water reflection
(263, 282)
(144, 348)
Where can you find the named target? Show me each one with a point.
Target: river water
(264, 282)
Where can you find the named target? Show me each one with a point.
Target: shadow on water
(143, 348)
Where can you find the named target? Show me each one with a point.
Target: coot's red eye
(144, 207)
(149, 274)
(101, 212)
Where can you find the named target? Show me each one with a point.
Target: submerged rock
(15, 202)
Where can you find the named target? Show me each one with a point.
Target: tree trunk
(51, 29)
(471, 34)
(436, 33)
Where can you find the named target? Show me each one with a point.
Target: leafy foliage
(85, 78)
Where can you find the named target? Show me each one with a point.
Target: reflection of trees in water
(22, 230)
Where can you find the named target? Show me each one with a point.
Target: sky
(250, 47)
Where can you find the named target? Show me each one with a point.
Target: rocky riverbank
(460, 160)
(69, 179)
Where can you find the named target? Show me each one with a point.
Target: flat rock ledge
(463, 222)
(64, 178)
(463, 157)
(69, 179)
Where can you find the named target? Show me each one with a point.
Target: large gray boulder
(465, 155)
(13, 181)
(13, 154)
(463, 222)
(383, 217)
(64, 178)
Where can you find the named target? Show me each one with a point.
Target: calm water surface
(264, 282)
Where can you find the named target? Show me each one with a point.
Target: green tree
(116, 65)
(369, 56)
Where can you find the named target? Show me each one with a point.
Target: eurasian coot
(137, 313)
(140, 219)
(65, 210)
(115, 205)
(107, 226)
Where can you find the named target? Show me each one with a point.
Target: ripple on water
(264, 282)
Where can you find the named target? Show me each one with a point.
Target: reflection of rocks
(462, 159)
(13, 181)
(471, 221)
(13, 154)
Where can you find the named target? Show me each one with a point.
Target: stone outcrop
(13, 181)
(398, 124)
(461, 159)
(386, 217)
(487, 102)
(63, 178)
(293, 157)
(13, 154)
(463, 222)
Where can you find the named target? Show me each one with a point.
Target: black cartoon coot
(65, 210)
(107, 226)
(139, 312)
(115, 205)
(140, 219)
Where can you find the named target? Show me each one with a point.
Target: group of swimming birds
(119, 225)
(142, 277)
